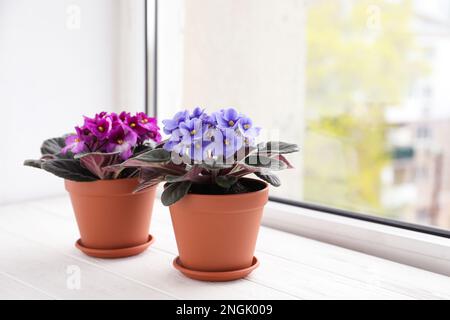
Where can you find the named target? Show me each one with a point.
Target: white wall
(54, 70)
(249, 54)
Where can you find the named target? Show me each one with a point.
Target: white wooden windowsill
(417, 249)
(38, 248)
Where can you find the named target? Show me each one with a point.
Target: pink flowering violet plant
(98, 146)
(113, 133)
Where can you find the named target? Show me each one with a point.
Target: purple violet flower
(226, 142)
(174, 123)
(247, 129)
(173, 141)
(197, 113)
(227, 118)
(201, 136)
(191, 130)
(198, 150)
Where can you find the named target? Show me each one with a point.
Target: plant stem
(214, 175)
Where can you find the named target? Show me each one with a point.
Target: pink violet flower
(112, 132)
(75, 143)
(122, 140)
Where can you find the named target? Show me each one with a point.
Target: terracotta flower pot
(113, 221)
(216, 234)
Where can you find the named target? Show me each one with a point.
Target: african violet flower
(247, 129)
(201, 136)
(99, 147)
(144, 126)
(121, 140)
(191, 130)
(99, 126)
(210, 154)
(75, 143)
(227, 118)
(113, 133)
(173, 124)
(197, 113)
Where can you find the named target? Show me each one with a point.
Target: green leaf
(53, 145)
(277, 147)
(239, 187)
(140, 149)
(226, 181)
(216, 165)
(155, 155)
(193, 175)
(269, 178)
(174, 192)
(260, 161)
(284, 160)
(68, 169)
(100, 164)
(148, 177)
(171, 178)
(33, 163)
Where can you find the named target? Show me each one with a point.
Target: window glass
(361, 86)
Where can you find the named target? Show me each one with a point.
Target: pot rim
(105, 181)
(110, 187)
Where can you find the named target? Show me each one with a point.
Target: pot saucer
(215, 275)
(115, 253)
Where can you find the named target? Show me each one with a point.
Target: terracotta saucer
(215, 275)
(115, 253)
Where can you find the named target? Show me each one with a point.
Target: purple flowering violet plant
(97, 147)
(209, 154)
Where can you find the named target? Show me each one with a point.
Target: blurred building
(417, 182)
(418, 179)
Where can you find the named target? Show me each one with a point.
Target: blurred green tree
(362, 57)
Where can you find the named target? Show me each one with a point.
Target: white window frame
(415, 248)
(409, 247)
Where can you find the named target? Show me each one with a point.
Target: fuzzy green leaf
(226, 181)
(148, 177)
(100, 164)
(193, 174)
(33, 163)
(68, 169)
(260, 161)
(269, 178)
(277, 147)
(174, 192)
(155, 155)
(53, 145)
(216, 165)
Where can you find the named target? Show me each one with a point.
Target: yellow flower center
(246, 126)
(144, 120)
(193, 132)
(231, 123)
(77, 140)
(101, 129)
(197, 145)
(133, 125)
(226, 141)
(119, 141)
